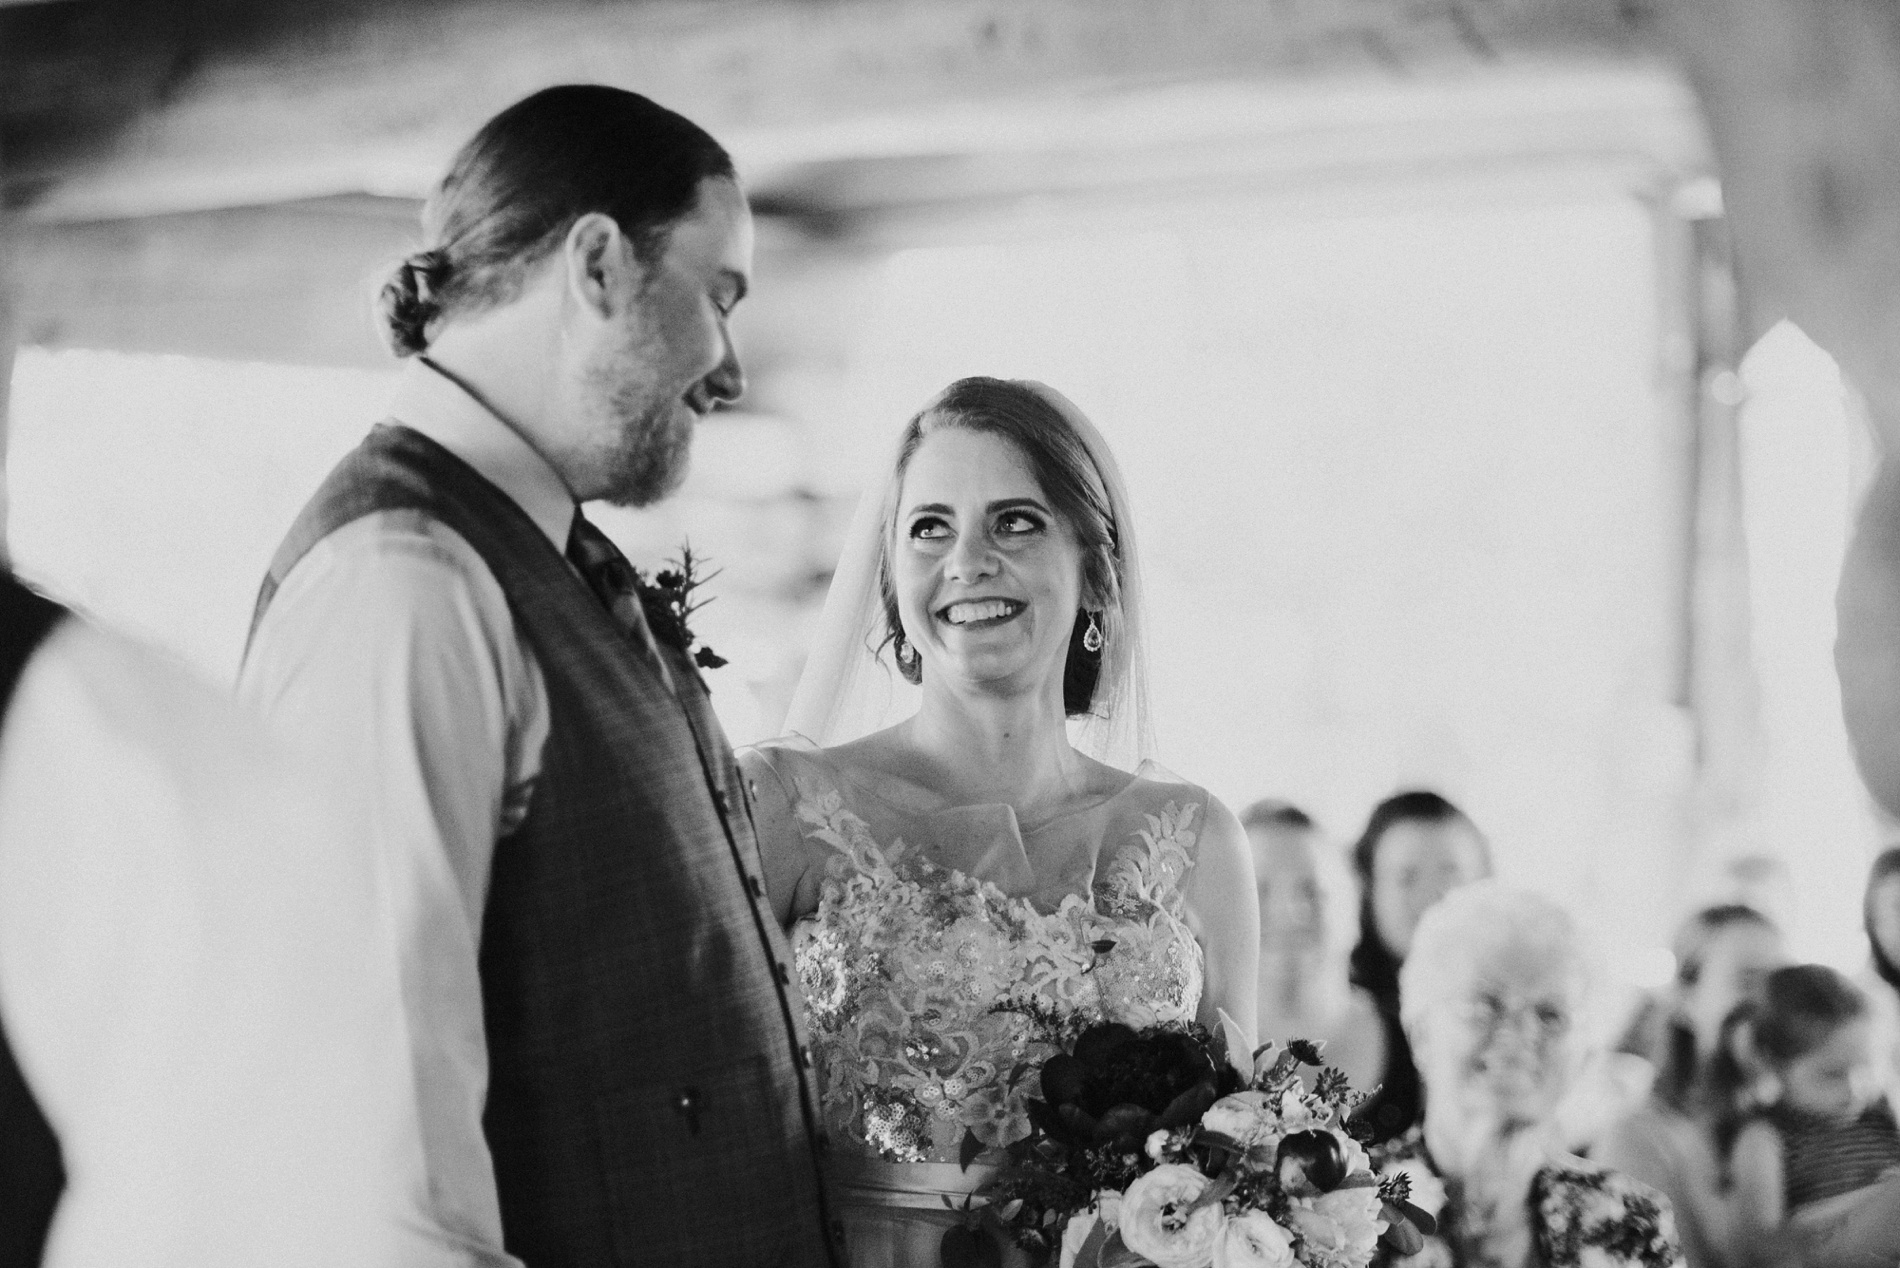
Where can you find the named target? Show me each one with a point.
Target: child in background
(1807, 1137)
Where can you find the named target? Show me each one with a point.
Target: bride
(967, 882)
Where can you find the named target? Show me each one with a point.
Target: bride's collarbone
(951, 782)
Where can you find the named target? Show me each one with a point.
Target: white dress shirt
(196, 979)
(391, 652)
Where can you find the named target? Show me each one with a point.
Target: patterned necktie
(616, 584)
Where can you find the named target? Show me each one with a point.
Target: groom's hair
(1059, 459)
(521, 182)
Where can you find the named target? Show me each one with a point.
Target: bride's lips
(980, 614)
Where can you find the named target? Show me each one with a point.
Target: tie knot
(616, 584)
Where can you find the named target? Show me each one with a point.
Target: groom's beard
(651, 429)
(651, 460)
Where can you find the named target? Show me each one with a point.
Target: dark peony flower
(1310, 1160)
(1120, 1086)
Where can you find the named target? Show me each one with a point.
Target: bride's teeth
(964, 613)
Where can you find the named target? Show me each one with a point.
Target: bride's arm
(791, 879)
(1224, 910)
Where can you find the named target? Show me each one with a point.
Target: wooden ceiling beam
(338, 96)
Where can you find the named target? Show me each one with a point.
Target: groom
(608, 1059)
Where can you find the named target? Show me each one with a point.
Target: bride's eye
(929, 528)
(1018, 522)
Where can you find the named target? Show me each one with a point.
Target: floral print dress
(1582, 1215)
(939, 961)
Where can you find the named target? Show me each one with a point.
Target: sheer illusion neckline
(985, 840)
(907, 796)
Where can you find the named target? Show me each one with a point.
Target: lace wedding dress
(939, 962)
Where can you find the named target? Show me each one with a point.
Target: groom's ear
(603, 277)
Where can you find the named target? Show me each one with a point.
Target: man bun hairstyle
(520, 183)
(409, 301)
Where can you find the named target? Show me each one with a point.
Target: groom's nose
(726, 383)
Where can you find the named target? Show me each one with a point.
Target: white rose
(1242, 1116)
(1157, 1140)
(1344, 1224)
(1155, 1221)
(1252, 1240)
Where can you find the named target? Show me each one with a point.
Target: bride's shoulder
(801, 767)
(1152, 785)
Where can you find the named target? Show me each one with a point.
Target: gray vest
(31, 1174)
(647, 1099)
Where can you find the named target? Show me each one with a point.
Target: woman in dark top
(1416, 848)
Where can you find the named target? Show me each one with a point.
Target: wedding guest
(1722, 955)
(1494, 997)
(601, 1026)
(195, 988)
(1307, 906)
(1416, 848)
(1805, 1134)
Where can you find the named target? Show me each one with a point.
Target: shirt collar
(432, 403)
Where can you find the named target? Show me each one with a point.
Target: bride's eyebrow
(930, 508)
(1010, 504)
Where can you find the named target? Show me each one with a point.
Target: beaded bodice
(939, 962)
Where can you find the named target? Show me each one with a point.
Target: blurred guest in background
(1307, 900)
(1494, 995)
(1722, 955)
(196, 981)
(1416, 848)
(1804, 1132)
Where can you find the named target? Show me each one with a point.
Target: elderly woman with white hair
(1493, 991)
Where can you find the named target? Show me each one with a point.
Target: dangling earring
(1092, 637)
(906, 654)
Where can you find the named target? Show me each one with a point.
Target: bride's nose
(973, 558)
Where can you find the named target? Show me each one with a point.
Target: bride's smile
(988, 577)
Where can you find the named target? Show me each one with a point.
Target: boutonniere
(669, 602)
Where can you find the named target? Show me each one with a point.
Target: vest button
(822, 1143)
(719, 799)
(784, 974)
(756, 885)
(804, 1056)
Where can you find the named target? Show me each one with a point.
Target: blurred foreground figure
(1493, 992)
(1803, 103)
(191, 991)
(601, 1024)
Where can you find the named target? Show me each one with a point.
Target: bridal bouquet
(1152, 1148)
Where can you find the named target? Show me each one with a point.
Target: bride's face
(988, 578)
